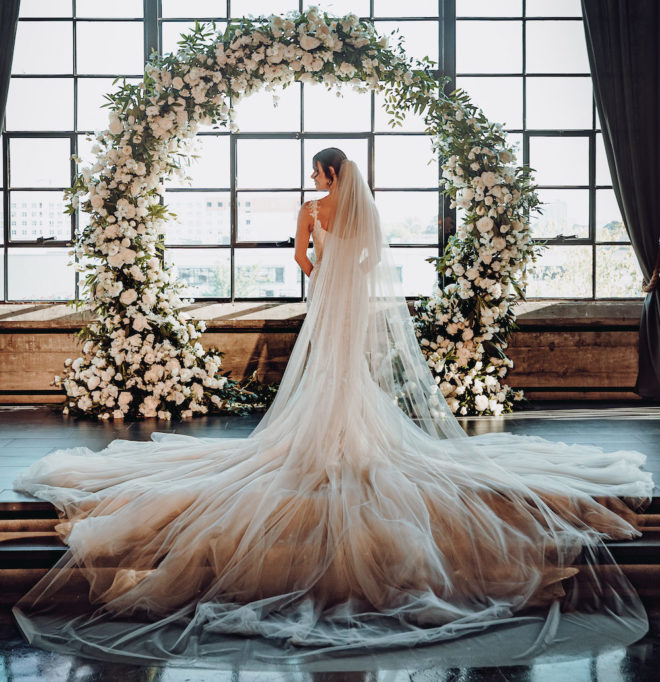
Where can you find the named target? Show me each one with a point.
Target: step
(44, 550)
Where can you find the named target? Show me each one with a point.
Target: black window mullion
(151, 10)
(233, 216)
(5, 227)
(447, 29)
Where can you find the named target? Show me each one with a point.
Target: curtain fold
(625, 69)
(8, 23)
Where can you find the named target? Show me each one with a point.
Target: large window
(523, 61)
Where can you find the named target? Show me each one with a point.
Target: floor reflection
(637, 663)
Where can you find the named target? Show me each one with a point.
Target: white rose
(97, 202)
(115, 125)
(140, 323)
(177, 82)
(489, 178)
(309, 42)
(124, 398)
(481, 403)
(84, 403)
(346, 69)
(484, 224)
(128, 296)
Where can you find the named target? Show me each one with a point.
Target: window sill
(253, 315)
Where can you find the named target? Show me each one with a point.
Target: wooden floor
(28, 433)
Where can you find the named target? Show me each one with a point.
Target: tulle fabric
(355, 528)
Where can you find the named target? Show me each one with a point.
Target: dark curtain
(622, 42)
(8, 22)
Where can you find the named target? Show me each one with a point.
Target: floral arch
(142, 356)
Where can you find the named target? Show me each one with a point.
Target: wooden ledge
(256, 315)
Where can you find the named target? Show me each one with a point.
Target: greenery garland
(464, 327)
(141, 355)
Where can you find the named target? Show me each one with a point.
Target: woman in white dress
(356, 517)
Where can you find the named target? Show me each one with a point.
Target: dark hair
(330, 157)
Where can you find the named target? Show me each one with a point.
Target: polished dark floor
(28, 433)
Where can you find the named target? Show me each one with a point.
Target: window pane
(40, 104)
(38, 214)
(565, 213)
(194, 8)
(609, 224)
(267, 216)
(474, 47)
(205, 272)
(355, 149)
(603, 176)
(420, 38)
(561, 272)
(325, 112)
(2, 274)
(341, 8)
(262, 7)
(202, 218)
(40, 162)
(618, 274)
(45, 8)
(85, 152)
(499, 97)
(56, 281)
(266, 273)
(408, 217)
(402, 162)
(556, 47)
(415, 274)
(412, 122)
(268, 164)
(98, 50)
(125, 9)
(560, 160)
(211, 168)
(488, 8)
(258, 113)
(55, 53)
(559, 103)
(414, 8)
(91, 114)
(172, 31)
(553, 8)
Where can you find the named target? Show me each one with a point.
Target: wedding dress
(356, 519)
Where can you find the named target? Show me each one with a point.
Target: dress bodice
(318, 233)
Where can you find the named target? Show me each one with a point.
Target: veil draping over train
(357, 517)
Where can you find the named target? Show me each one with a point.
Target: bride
(357, 517)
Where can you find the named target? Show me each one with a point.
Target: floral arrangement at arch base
(142, 356)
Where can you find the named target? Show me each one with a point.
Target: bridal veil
(356, 519)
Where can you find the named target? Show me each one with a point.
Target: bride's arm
(302, 240)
